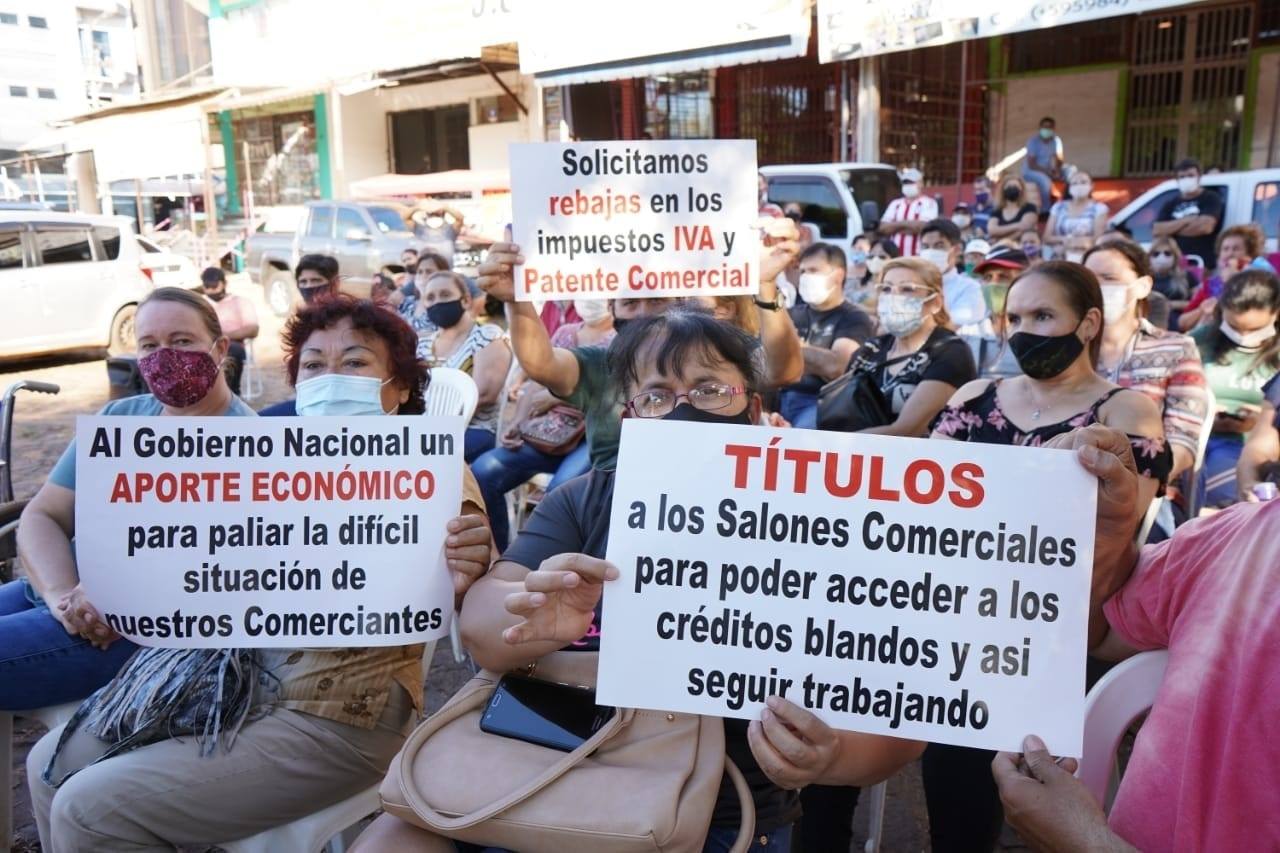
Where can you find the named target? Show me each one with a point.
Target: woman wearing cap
(975, 252)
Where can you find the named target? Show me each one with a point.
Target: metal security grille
(790, 107)
(678, 106)
(1187, 88)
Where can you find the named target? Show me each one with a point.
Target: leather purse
(556, 431)
(645, 781)
(852, 402)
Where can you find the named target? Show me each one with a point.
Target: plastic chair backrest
(451, 392)
(1194, 494)
(1119, 698)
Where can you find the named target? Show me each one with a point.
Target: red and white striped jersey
(920, 208)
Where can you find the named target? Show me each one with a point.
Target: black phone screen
(559, 716)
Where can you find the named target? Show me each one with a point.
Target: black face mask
(1045, 356)
(445, 315)
(1012, 193)
(620, 323)
(687, 412)
(311, 294)
(216, 297)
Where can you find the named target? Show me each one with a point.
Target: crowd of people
(1017, 320)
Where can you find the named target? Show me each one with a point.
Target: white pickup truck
(842, 199)
(1252, 196)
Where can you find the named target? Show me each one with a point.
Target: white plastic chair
(452, 392)
(51, 717)
(1119, 698)
(251, 385)
(326, 828)
(1206, 430)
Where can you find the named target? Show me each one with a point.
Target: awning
(662, 37)
(470, 181)
(242, 99)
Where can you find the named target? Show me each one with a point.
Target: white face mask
(338, 394)
(910, 190)
(940, 258)
(875, 263)
(1079, 191)
(1188, 184)
(1250, 340)
(815, 287)
(1160, 263)
(961, 220)
(1074, 257)
(901, 314)
(1115, 302)
(591, 310)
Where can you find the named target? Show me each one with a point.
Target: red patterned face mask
(179, 377)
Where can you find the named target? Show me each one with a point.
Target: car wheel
(280, 291)
(123, 340)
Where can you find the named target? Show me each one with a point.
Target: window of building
(46, 94)
(8, 18)
(424, 141)
(108, 240)
(10, 248)
(282, 156)
(496, 109)
(678, 106)
(17, 91)
(552, 112)
(37, 22)
(790, 107)
(1086, 43)
(63, 245)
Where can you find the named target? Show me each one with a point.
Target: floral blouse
(982, 420)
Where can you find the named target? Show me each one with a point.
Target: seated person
(997, 271)
(544, 595)
(238, 318)
(1209, 596)
(1259, 463)
(941, 245)
(1169, 278)
(285, 744)
(1239, 248)
(317, 276)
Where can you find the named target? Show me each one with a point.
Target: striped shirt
(1166, 367)
(918, 209)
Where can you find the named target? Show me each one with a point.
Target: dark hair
(832, 254)
(1131, 252)
(675, 338)
(459, 280)
(948, 229)
(1187, 163)
(409, 249)
(1079, 285)
(212, 275)
(366, 316)
(440, 261)
(326, 265)
(890, 248)
(1050, 120)
(193, 300)
(1247, 290)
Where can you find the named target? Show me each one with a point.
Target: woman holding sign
(544, 595)
(55, 646)
(1054, 314)
(282, 732)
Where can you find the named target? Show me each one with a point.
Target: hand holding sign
(1047, 805)
(792, 746)
(559, 599)
(494, 276)
(778, 249)
(467, 552)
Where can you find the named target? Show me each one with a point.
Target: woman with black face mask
(458, 341)
(1015, 214)
(1054, 318)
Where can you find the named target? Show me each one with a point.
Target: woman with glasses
(920, 361)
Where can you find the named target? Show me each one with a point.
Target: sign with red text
(268, 532)
(932, 590)
(598, 220)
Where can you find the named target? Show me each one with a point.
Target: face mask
(858, 258)
(900, 314)
(1046, 133)
(961, 220)
(910, 190)
(1011, 193)
(1161, 262)
(311, 294)
(591, 310)
(875, 263)
(446, 315)
(1045, 356)
(815, 288)
(1074, 257)
(687, 412)
(216, 297)
(620, 323)
(982, 197)
(1188, 185)
(1115, 302)
(1079, 191)
(179, 377)
(995, 296)
(337, 394)
(940, 258)
(1250, 340)
(1031, 250)
(968, 267)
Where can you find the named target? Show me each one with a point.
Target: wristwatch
(768, 306)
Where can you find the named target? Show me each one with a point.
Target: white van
(67, 281)
(842, 199)
(1252, 196)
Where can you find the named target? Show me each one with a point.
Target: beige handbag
(646, 781)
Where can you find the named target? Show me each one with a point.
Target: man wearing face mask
(983, 208)
(238, 318)
(997, 271)
(941, 245)
(962, 216)
(1044, 159)
(906, 217)
(830, 330)
(1193, 217)
(317, 276)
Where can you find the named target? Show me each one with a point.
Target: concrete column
(867, 141)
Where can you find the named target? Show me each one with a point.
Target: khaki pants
(282, 767)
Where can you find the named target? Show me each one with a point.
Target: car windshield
(878, 185)
(387, 220)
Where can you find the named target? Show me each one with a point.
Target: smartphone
(559, 716)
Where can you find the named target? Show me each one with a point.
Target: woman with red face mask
(54, 645)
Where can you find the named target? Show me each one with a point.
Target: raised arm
(777, 332)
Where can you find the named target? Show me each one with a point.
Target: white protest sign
(924, 589)
(598, 220)
(268, 532)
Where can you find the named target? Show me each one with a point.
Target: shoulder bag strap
(747, 826)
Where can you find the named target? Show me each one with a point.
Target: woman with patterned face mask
(919, 362)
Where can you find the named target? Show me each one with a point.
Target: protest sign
(268, 532)
(598, 220)
(933, 590)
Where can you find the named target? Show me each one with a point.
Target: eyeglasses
(919, 291)
(661, 402)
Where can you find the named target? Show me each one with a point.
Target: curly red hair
(366, 316)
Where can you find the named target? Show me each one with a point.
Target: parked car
(842, 199)
(166, 268)
(69, 281)
(1252, 196)
(363, 237)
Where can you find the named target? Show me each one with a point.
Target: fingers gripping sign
(495, 276)
(792, 746)
(559, 600)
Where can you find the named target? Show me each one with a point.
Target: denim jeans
(501, 470)
(476, 441)
(40, 663)
(1044, 182)
(720, 840)
(800, 409)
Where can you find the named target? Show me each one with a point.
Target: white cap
(910, 174)
(977, 247)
